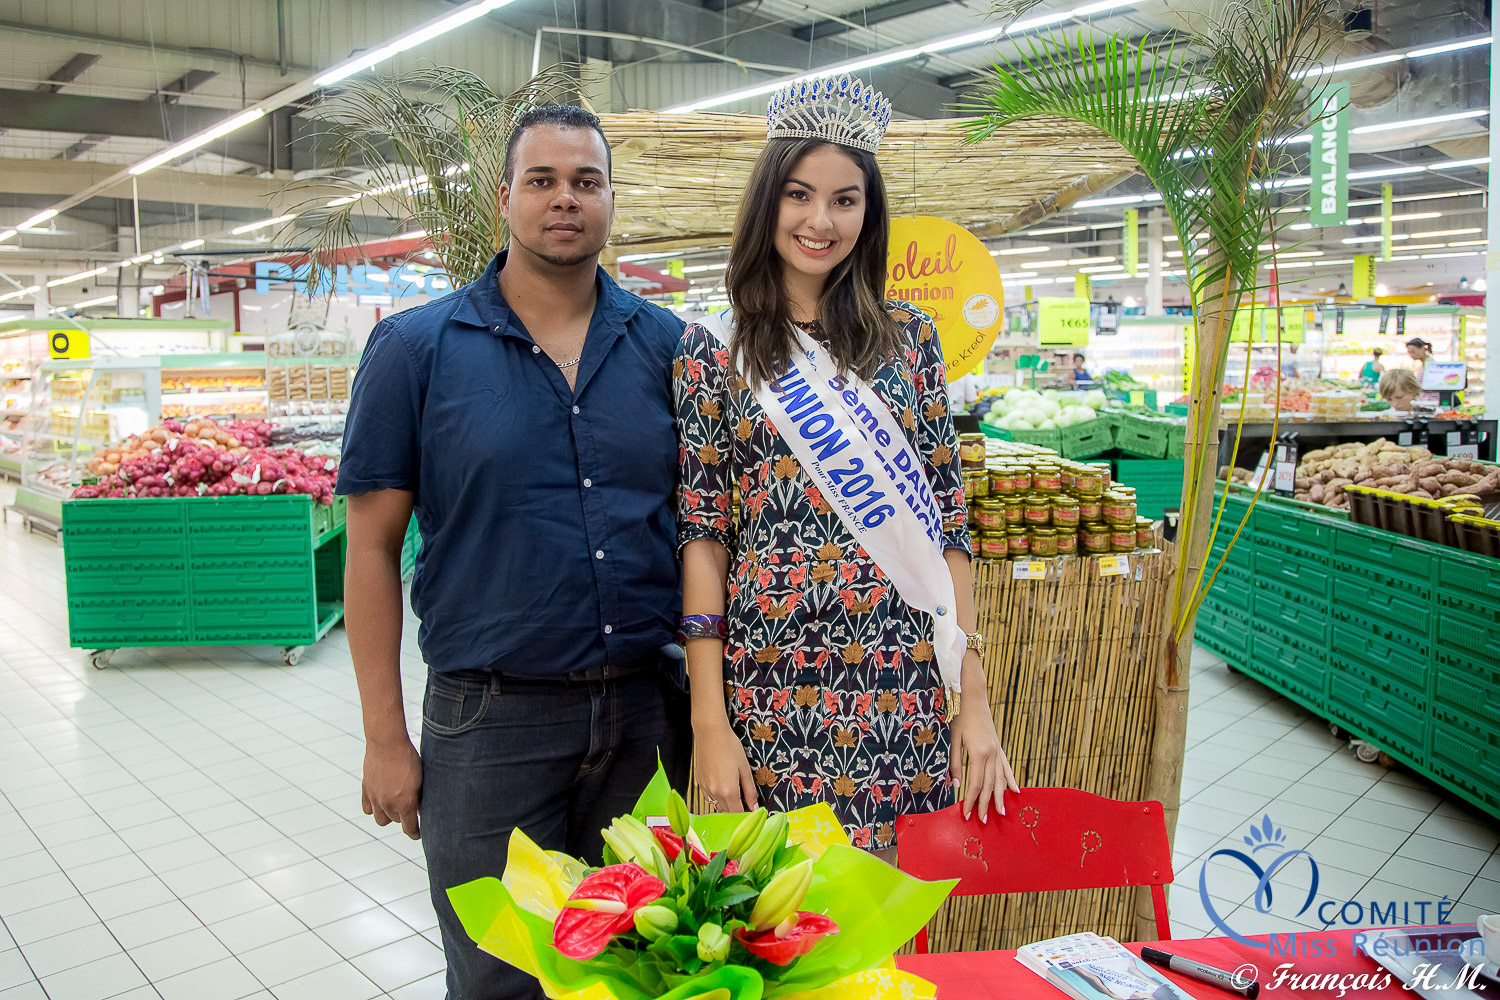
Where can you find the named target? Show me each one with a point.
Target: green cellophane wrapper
(876, 907)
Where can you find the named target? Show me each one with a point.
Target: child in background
(1400, 388)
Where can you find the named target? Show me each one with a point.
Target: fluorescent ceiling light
(203, 138)
(102, 300)
(1418, 122)
(1375, 220)
(1055, 230)
(250, 227)
(1288, 266)
(192, 244)
(1300, 253)
(413, 235)
(1360, 175)
(20, 293)
(1460, 253)
(1410, 247)
(7, 235)
(1477, 161)
(142, 258)
(80, 276)
(1124, 199)
(1469, 243)
(1447, 232)
(1374, 239)
(1409, 197)
(1101, 268)
(1467, 43)
(1067, 262)
(1018, 275)
(430, 30)
(1325, 263)
(1012, 251)
(883, 58)
(38, 219)
(697, 268)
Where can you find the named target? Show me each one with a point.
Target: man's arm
(392, 789)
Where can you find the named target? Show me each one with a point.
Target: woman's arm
(719, 762)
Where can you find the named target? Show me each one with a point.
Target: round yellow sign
(942, 268)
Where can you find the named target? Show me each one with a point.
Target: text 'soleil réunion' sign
(942, 269)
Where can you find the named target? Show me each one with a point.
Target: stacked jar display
(1029, 502)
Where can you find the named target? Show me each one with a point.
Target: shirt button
(608, 629)
(588, 482)
(535, 349)
(598, 553)
(575, 409)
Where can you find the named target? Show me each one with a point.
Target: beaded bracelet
(702, 627)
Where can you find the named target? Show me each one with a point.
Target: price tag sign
(1286, 469)
(68, 343)
(1469, 452)
(1028, 569)
(1115, 565)
(1063, 322)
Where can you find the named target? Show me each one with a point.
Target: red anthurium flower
(610, 896)
(796, 941)
(673, 844)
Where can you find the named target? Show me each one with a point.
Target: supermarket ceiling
(90, 90)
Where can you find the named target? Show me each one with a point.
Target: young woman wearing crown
(831, 629)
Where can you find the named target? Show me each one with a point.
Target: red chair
(1049, 838)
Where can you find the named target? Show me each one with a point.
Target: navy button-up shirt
(548, 536)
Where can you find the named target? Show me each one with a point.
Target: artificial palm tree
(1209, 125)
(423, 150)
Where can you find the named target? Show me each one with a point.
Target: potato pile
(1323, 474)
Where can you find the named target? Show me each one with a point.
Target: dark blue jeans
(556, 759)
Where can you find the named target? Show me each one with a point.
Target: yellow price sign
(69, 343)
(942, 269)
(1063, 322)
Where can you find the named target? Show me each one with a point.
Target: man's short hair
(563, 116)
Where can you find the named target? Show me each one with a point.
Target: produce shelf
(1395, 639)
(190, 571)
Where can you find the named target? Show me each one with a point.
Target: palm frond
(1210, 136)
(425, 150)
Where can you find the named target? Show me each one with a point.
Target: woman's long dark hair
(857, 330)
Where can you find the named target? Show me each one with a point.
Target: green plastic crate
(1467, 688)
(201, 570)
(1158, 483)
(1141, 437)
(1278, 609)
(1086, 440)
(1042, 439)
(1376, 710)
(409, 548)
(1466, 761)
(1293, 665)
(1289, 565)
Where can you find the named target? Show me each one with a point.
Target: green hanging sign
(1330, 157)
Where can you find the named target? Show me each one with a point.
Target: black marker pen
(1244, 986)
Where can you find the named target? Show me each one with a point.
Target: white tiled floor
(186, 825)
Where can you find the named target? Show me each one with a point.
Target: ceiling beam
(37, 178)
(718, 6)
(189, 81)
(68, 72)
(869, 17)
(148, 119)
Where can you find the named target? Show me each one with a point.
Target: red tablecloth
(989, 974)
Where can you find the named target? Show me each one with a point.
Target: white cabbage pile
(1027, 409)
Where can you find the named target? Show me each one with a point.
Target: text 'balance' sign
(361, 279)
(942, 269)
(1329, 162)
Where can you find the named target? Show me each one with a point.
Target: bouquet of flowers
(728, 907)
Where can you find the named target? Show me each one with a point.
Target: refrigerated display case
(21, 352)
(1348, 349)
(1148, 347)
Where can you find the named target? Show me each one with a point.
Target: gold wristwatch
(976, 641)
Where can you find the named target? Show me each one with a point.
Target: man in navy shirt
(527, 419)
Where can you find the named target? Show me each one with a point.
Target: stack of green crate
(1157, 482)
(1395, 639)
(202, 570)
(1085, 440)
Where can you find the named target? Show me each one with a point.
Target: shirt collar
(484, 305)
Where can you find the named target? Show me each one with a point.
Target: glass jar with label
(1014, 511)
(1122, 538)
(971, 452)
(1090, 508)
(1094, 538)
(976, 486)
(1145, 533)
(1046, 479)
(993, 545)
(1038, 507)
(1066, 473)
(1067, 543)
(1021, 479)
(989, 515)
(1088, 481)
(1002, 481)
(1065, 510)
(1043, 541)
(1017, 544)
(1119, 509)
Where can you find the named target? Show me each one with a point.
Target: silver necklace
(569, 364)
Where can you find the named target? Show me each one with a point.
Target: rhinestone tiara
(843, 110)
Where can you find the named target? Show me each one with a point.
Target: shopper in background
(1289, 362)
(835, 684)
(1419, 350)
(1373, 369)
(1400, 388)
(528, 421)
(1081, 378)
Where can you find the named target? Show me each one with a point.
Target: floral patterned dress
(831, 680)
